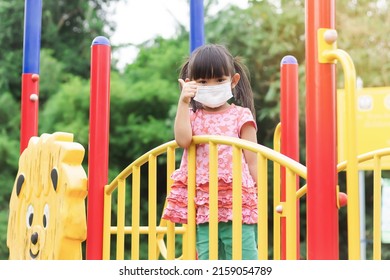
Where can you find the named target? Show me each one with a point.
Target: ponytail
(242, 92)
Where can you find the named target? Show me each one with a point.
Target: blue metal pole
(196, 24)
(32, 36)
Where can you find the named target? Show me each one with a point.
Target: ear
(235, 79)
(54, 178)
(19, 184)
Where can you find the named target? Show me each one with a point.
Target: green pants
(249, 241)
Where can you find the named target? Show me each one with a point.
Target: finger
(181, 81)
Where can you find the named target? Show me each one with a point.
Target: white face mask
(214, 96)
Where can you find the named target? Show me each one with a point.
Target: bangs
(210, 63)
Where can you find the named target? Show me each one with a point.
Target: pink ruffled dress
(227, 123)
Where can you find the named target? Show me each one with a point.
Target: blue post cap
(289, 59)
(101, 40)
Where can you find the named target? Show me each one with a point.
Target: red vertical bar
(289, 146)
(321, 160)
(29, 109)
(98, 144)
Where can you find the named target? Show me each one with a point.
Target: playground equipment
(323, 197)
(47, 207)
(30, 75)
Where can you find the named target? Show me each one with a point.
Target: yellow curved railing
(166, 240)
(166, 232)
(282, 211)
(376, 156)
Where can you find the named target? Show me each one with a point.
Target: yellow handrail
(169, 230)
(161, 238)
(376, 156)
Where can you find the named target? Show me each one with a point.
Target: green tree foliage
(144, 106)
(11, 44)
(9, 146)
(73, 99)
(69, 27)
(361, 33)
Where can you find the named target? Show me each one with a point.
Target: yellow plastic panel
(47, 217)
(373, 124)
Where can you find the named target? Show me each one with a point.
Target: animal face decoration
(47, 218)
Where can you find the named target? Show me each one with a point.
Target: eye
(201, 81)
(29, 216)
(46, 211)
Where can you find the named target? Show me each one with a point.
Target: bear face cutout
(47, 217)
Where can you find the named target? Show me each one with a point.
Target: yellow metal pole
(106, 225)
(191, 223)
(277, 216)
(291, 213)
(262, 204)
(170, 226)
(213, 201)
(120, 238)
(135, 213)
(237, 204)
(152, 211)
(377, 209)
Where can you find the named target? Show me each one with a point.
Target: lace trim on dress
(176, 209)
(180, 175)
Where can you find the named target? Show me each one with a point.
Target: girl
(209, 79)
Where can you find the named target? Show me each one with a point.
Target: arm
(248, 132)
(182, 128)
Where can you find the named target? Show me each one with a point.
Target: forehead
(210, 67)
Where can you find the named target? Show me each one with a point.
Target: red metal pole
(99, 122)
(321, 153)
(289, 146)
(29, 109)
